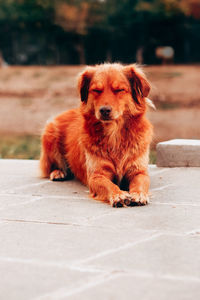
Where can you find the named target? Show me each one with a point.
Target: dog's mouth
(106, 119)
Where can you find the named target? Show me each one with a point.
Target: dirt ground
(29, 96)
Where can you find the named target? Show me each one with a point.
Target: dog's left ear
(84, 82)
(140, 87)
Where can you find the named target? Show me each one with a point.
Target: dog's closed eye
(116, 91)
(119, 90)
(97, 91)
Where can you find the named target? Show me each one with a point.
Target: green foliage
(25, 10)
(152, 157)
(21, 147)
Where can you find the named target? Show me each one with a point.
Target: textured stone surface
(178, 153)
(56, 243)
(140, 286)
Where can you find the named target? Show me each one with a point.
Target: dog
(105, 142)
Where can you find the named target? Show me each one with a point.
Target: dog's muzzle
(105, 112)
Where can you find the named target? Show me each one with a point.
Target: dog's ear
(84, 82)
(140, 87)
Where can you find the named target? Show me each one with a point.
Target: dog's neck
(120, 134)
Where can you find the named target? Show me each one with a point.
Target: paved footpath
(56, 243)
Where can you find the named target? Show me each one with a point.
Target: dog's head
(110, 91)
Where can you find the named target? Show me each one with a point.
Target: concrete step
(178, 153)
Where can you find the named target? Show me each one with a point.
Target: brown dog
(105, 142)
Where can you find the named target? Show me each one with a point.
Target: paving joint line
(114, 250)
(43, 222)
(45, 196)
(159, 172)
(21, 203)
(27, 185)
(63, 292)
(107, 276)
(160, 188)
(61, 265)
(175, 203)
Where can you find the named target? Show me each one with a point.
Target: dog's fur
(105, 142)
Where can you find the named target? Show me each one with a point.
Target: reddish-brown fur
(103, 149)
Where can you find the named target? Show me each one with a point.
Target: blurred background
(44, 44)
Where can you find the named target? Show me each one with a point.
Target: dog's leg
(53, 168)
(100, 173)
(102, 187)
(138, 188)
(52, 162)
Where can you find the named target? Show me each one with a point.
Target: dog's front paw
(139, 199)
(120, 200)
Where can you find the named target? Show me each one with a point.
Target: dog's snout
(105, 110)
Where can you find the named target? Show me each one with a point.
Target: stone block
(178, 153)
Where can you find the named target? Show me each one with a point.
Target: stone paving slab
(21, 279)
(173, 255)
(57, 243)
(139, 286)
(59, 238)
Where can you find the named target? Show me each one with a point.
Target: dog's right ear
(84, 82)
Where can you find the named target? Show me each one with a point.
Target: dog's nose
(105, 110)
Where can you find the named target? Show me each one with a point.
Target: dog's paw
(139, 199)
(120, 200)
(57, 175)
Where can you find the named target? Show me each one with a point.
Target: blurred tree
(91, 31)
(72, 16)
(25, 27)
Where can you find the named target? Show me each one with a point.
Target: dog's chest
(121, 158)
